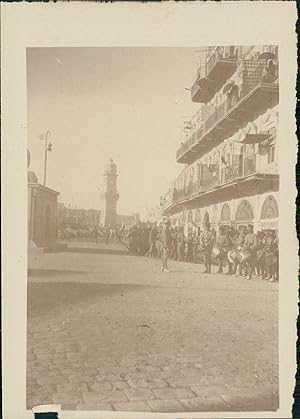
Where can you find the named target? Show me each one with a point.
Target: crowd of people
(242, 252)
(96, 233)
(239, 252)
(110, 234)
(66, 232)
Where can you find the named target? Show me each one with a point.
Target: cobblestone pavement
(111, 332)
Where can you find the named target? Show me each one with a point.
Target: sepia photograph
(154, 187)
(149, 246)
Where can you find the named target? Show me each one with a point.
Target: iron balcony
(256, 96)
(219, 67)
(234, 182)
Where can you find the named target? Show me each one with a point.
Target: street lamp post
(47, 148)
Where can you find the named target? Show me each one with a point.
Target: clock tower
(111, 194)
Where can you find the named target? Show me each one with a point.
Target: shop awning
(228, 86)
(267, 56)
(255, 138)
(269, 225)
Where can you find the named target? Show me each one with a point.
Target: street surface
(109, 331)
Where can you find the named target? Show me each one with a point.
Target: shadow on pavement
(266, 402)
(42, 298)
(51, 272)
(119, 252)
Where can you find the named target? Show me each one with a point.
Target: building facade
(230, 170)
(153, 214)
(75, 217)
(127, 220)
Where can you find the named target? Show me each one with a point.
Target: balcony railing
(224, 177)
(219, 67)
(255, 75)
(250, 165)
(232, 172)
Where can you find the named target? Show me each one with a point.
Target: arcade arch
(198, 216)
(206, 218)
(190, 216)
(244, 214)
(269, 208)
(225, 214)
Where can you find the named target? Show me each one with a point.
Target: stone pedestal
(42, 215)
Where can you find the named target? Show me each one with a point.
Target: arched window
(251, 128)
(214, 217)
(244, 211)
(198, 216)
(190, 216)
(269, 209)
(206, 218)
(225, 214)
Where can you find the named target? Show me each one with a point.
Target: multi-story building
(230, 154)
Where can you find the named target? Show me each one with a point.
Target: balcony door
(237, 165)
(250, 159)
(205, 176)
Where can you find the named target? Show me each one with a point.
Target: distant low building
(153, 214)
(128, 220)
(74, 217)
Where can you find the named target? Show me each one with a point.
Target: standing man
(152, 241)
(166, 244)
(195, 247)
(96, 233)
(189, 242)
(250, 248)
(158, 241)
(230, 234)
(271, 256)
(206, 242)
(180, 244)
(174, 244)
(107, 235)
(223, 245)
(238, 246)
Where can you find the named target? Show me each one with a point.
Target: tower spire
(111, 194)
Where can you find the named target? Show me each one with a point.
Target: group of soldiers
(242, 252)
(109, 233)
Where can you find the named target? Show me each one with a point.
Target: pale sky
(124, 103)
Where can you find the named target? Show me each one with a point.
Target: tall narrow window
(271, 154)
